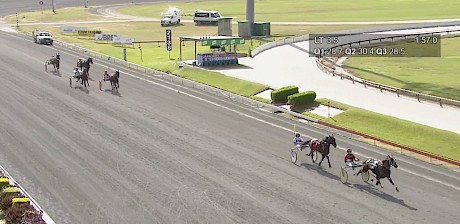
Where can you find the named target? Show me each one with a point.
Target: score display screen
(375, 45)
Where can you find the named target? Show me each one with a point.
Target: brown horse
(322, 147)
(381, 169)
(84, 77)
(114, 80)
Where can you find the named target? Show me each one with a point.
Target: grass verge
(431, 75)
(74, 14)
(408, 133)
(314, 10)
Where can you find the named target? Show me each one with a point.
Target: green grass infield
(314, 10)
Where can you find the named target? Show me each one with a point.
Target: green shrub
(4, 182)
(281, 95)
(302, 98)
(20, 201)
(10, 190)
(6, 200)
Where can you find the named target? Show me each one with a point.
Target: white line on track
(254, 118)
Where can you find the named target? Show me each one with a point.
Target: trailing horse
(84, 77)
(323, 147)
(381, 169)
(114, 80)
(52, 61)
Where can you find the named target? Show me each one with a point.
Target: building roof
(201, 38)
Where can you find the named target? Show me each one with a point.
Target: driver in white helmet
(298, 141)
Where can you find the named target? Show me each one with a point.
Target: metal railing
(381, 87)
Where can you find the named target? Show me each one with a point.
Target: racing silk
(373, 163)
(297, 140)
(349, 158)
(76, 73)
(106, 77)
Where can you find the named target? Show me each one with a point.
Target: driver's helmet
(349, 151)
(297, 134)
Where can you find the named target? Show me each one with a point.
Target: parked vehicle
(171, 17)
(43, 37)
(206, 17)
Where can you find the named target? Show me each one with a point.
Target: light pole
(86, 3)
(250, 15)
(52, 3)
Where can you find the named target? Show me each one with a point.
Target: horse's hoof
(397, 189)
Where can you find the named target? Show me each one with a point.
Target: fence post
(418, 97)
(365, 85)
(440, 102)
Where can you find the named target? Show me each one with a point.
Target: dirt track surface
(152, 155)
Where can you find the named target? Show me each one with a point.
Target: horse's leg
(328, 161)
(322, 158)
(391, 181)
(379, 183)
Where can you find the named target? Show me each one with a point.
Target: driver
(80, 63)
(350, 159)
(106, 76)
(76, 73)
(298, 141)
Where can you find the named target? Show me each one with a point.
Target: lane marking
(248, 116)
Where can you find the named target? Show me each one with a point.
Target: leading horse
(381, 169)
(323, 147)
(84, 77)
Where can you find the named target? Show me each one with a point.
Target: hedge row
(302, 98)
(291, 95)
(16, 206)
(281, 95)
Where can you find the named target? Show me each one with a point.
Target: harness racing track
(151, 154)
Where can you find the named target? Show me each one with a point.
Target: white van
(206, 17)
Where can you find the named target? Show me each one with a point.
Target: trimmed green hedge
(281, 95)
(19, 201)
(4, 182)
(302, 98)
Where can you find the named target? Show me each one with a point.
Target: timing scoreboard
(375, 45)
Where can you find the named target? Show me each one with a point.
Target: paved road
(152, 155)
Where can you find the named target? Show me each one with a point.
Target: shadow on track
(320, 170)
(85, 90)
(56, 73)
(369, 188)
(113, 92)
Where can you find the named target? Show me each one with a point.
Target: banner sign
(104, 37)
(220, 42)
(88, 32)
(122, 40)
(168, 40)
(72, 29)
